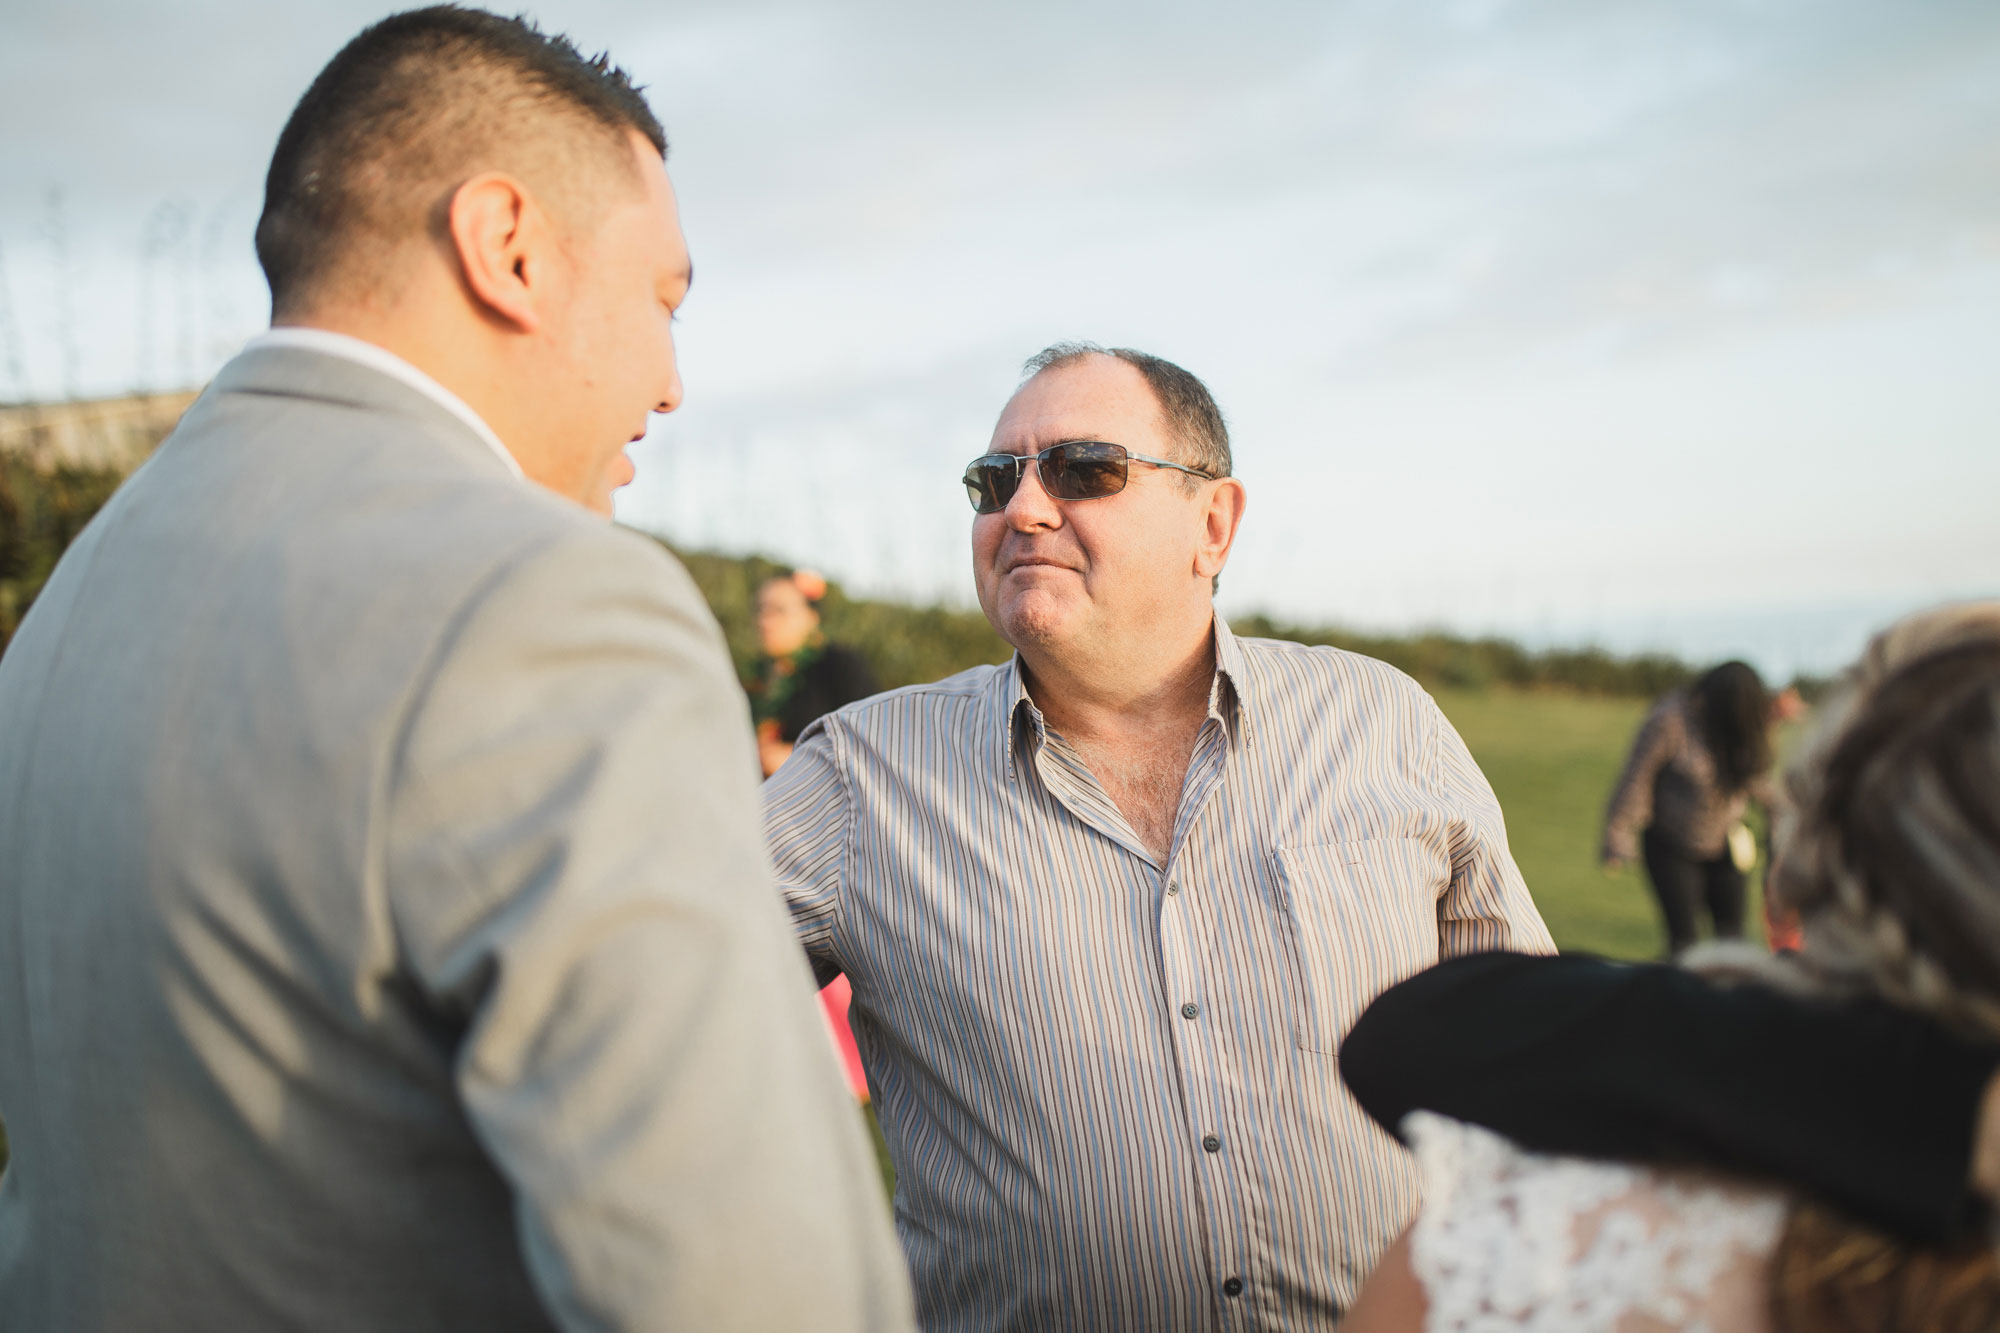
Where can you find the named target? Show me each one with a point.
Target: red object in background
(1782, 931)
(835, 998)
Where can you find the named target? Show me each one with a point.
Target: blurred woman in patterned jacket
(1701, 756)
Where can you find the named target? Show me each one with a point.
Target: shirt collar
(1232, 671)
(1018, 712)
(388, 363)
(1228, 698)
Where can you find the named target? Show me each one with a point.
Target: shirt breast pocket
(1360, 917)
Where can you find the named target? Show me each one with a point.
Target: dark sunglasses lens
(990, 483)
(1085, 470)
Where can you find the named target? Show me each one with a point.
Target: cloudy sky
(1649, 323)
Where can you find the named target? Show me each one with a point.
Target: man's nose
(1031, 506)
(673, 393)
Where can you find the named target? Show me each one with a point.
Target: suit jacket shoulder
(335, 814)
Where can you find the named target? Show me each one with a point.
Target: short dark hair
(1193, 419)
(406, 105)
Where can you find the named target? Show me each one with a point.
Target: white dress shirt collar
(386, 361)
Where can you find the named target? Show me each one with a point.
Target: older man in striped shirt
(1109, 908)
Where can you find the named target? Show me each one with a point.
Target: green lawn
(1552, 758)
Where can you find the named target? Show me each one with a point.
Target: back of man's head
(410, 108)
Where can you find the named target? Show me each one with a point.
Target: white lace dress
(1511, 1241)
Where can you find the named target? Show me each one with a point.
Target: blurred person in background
(1109, 907)
(388, 934)
(800, 678)
(1781, 928)
(1701, 756)
(1864, 1070)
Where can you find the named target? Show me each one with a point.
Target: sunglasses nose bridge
(1028, 472)
(1032, 509)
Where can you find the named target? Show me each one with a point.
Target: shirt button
(1233, 1287)
(1190, 1010)
(1212, 1143)
(1173, 888)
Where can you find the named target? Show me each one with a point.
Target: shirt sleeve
(806, 813)
(1486, 906)
(1631, 804)
(579, 889)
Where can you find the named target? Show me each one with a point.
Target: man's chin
(617, 475)
(1035, 619)
(619, 472)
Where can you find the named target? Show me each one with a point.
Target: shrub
(40, 514)
(907, 645)
(42, 511)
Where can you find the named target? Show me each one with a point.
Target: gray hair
(1194, 422)
(1890, 850)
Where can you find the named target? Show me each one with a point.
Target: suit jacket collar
(298, 372)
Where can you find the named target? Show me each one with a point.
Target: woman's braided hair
(1890, 853)
(1890, 850)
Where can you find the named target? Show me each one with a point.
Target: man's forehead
(1095, 398)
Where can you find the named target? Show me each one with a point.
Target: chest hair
(1144, 781)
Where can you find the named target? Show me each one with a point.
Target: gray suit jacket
(387, 939)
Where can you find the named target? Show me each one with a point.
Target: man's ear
(1221, 517)
(502, 241)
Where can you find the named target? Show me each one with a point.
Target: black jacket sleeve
(1870, 1107)
(836, 679)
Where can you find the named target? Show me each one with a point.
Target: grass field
(1552, 758)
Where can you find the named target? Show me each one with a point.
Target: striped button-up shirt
(1108, 1084)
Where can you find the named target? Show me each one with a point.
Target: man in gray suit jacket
(386, 935)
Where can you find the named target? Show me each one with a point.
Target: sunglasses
(1076, 470)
